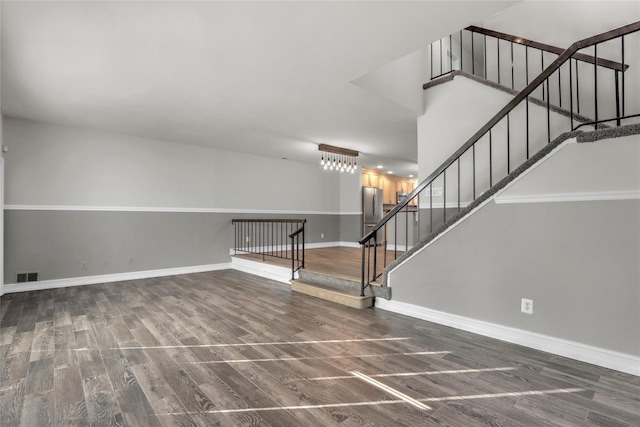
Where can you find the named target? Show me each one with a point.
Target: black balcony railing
(276, 238)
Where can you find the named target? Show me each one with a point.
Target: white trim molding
(570, 197)
(116, 277)
(586, 353)
(1, 216)
(262, 269)
(167, 209)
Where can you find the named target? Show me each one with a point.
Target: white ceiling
(270, 78)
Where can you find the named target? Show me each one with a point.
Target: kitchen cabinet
(370, 179)
(390, 185)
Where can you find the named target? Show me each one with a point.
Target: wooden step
(343, 284)
(343, 297)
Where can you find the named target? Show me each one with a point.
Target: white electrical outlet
(322, 235)
(527, 306)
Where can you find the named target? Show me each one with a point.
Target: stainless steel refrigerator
(372, 213)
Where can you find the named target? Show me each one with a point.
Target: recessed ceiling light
(380, 166)
(410, 176)
(390, 172)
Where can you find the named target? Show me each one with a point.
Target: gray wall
(578, 261)
(565, 234)
(57, 243)
(78, 196)
(350, 228)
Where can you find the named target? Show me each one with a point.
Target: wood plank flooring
(339, 261)
(230, 349)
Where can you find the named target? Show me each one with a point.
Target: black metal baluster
(508, 144)
(560, 88)
(441, 58)
(362, 267)
(623, 92)
(542, 69)
(577, 87)
(293, 261)
(473, 56)
(395, 238)
(615, 72)
(369, 262)
(431, 208)
(548, 113)
(450, 53)
(473, 157)
(430, 64)
(498, 47)
(444, 197)
(461, 53)
(595, 83)
(375, 256)
(526, 64)
(512, 80)
(458, 184)
(526, 100)
(490, 161)
(406, 229)
(384, 249)
(418, 216)
(484, 41)
(571, 93)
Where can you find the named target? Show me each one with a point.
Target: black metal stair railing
(276, 238)
(531, 120)
(510, 60)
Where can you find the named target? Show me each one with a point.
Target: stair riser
(336, 297)
(330, 281)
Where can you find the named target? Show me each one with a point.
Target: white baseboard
(586, 353)
(262, 269)
(346, 244)
(108, 278)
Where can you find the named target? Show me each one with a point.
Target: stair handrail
(521, 96)
(616, 66)
(542, 47)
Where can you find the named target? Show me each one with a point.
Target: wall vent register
(27, 277)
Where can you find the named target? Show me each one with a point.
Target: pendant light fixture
(340, 159)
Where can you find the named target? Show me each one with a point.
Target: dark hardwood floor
(230, 349)
(339, 261)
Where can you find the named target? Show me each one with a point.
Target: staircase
(332, 288)
(552, 107)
